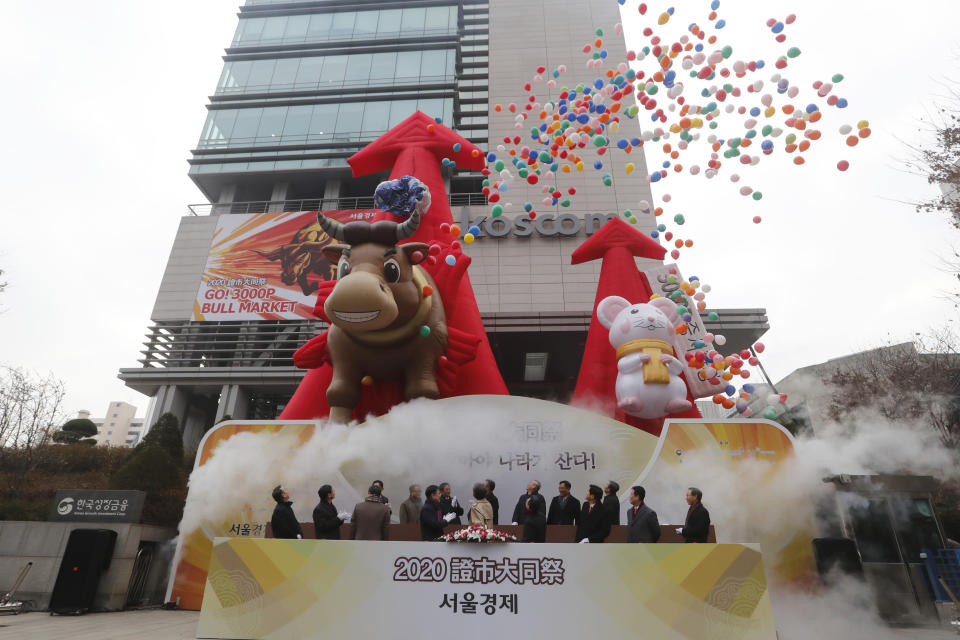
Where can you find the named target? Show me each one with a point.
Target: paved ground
(155, 624)
(142, 625)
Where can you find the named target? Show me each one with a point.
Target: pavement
(146, 624)
(182, 625)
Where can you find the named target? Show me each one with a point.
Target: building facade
(119, 427)
(306, 84)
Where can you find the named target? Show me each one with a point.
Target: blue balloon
(598, 165)
(635, 141)
(842, 103)
(811, 108)
(760, 64)
(661, 227)
(491, 157)
(730, 390)
(748, 388)
(654, 234)
(721, 24)
(450, 260)
(715, 5)
(528, 206)
(755, 111)
(598, 83)
(583, 118)
(777, 28)
(603, 54)
(623, 143)
(655, 177)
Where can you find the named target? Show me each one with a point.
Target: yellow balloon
(565, 168)
(468, 238)
(630, 168)
(769, 111)
(614, 127)
(580, 166)
(863, 124)
(664, 18)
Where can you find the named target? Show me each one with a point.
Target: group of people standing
(600, 510)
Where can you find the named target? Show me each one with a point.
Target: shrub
(66, 437)
(82, 426)
(150, 469)
(166, 435)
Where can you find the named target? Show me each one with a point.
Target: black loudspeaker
(837, 555)
(87, 555)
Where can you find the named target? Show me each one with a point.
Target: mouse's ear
(609, 308)
(668, 308)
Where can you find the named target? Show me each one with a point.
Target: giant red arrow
(617, 243)
(416, 147)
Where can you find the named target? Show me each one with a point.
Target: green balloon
(837, 77)
(793, 52)
(727, 51)
(424, 331)
(713, 316)
(767, 130)
(757, 195)
(564, 203)
(599, 141)
(791, 137)
(499, 165)
(496, 211)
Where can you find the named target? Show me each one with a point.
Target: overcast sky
(103, 100)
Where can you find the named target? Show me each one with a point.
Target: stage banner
(511, 441)
(278, 589)
(267, 266)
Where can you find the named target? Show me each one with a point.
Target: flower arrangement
(477, 533)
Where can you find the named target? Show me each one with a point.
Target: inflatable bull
(386, 319)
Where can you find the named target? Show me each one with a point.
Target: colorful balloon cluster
(709, 111)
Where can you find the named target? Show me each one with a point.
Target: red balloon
(843, 165)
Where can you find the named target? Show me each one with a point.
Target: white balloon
(720, 340)
(792, 92)
(845, 129)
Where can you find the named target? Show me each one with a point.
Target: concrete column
(169, 399)
(233, 402)
(278, 196)
(331, 191)
(228, 194)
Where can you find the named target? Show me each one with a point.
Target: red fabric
(468, 366)
(617, 243)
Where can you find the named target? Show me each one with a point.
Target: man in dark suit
(492, 499)
(283, 522)
(642, 523)
(520, 511)
(593, 525)
(564, 508)
(432, 519)
(611, 503)
(449, 504)
(535, 525)
(697, 526)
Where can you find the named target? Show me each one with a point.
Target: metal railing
(318, 204)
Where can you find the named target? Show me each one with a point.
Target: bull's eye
(391, 270)
(343, 268)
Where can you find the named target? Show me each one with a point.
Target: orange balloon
(804, 145)
(865, 132)
(815, 116)
(790, 148)
(798, 160)
(852, 141)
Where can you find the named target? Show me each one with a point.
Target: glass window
(366, 25)
(319, 26)
(245, 128)
(297, 124)
(219, 125)
(916, 526)
(408, 64)
(400, 110)
(261, 71)
(296, 29)
(239, 73)
(376, 117)
(433, 107)
(308, 75)
(358, 68)
(342, 26)
(433, 64)
(271, 123)
(873, 531)
(437, 19)
(413, 19)
(323, 121)
(350, 118)
(273, 29)
(252, 30)
(285, 73)
(382, 66)
(389, 21)
(334, 68)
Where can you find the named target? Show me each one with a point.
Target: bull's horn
(409, 226)
(333, 228)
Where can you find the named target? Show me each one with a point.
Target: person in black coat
(564, 508)
(520, 511)
(697, 526)
(493, 500)
(535, 524)
(432, 519)
(284, 522)
(642, 523)
(593, 523)
(611, 503)
(326, 518)
(449, 504)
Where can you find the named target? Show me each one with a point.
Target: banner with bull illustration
(267, 266)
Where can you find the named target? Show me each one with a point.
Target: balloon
(450, 260)
(629, 168)
(759, 347)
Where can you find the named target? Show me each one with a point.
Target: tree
(939, 160)
(916, 383)
(166, 435)
(29, 407)
(82, 426)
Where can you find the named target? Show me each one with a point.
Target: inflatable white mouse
(648, 382)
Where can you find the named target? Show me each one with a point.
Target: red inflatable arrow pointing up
(617, 243)
(416, 147)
